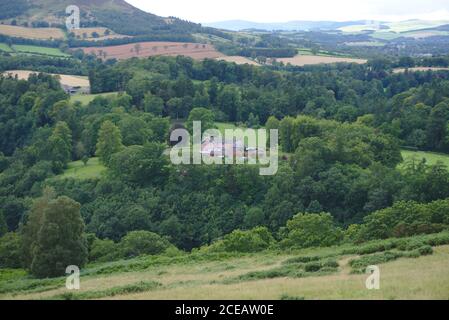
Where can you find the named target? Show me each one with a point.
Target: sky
(203, 11)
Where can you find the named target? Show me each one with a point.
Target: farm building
(222, 149)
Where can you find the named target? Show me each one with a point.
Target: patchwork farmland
(148, 49)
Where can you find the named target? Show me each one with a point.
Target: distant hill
(346, 26)
(117, 15)
(237, 25)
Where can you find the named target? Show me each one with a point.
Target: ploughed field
(148, 49)
(303, 60)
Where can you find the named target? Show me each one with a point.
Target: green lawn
(39, 50)
(5, 48)
(321, 53)
(87, 98)
(78, 170)
(431, 157)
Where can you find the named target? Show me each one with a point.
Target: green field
(39, 50)
(5, 48)
(222, 126)
(431, 157)
(321, 53)
(87, 98)
(78, 170)
(320, 273)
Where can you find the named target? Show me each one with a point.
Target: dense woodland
(341, 131)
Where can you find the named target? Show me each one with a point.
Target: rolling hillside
(127, 19)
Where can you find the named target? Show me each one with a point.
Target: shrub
(312, 266)
(437, 239)
(138, 243)
(330, 264)
(375, 247)
(374, 259)
(104, 250)
(425, 250)
(254, 240)
(303, 259)
(312, 230)
(406, 218)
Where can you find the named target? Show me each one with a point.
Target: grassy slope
(4, 47)
(78, 170)
(431, 157)
(40, 50)
(419, 278)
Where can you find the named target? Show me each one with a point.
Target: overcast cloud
(287, 10)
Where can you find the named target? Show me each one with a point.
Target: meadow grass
(431, 157)
(77, 170)
(313, 273)
(5, 48)
(39, 50)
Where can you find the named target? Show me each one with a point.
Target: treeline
(74, 43)
(44, 64)
(268, 52)
(304, 230)
(55, 43)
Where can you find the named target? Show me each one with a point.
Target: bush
(104, 250)
(425, 251)
(137, 243)
(378, 246)
(254, 240)
(437, 239)
(374, 259)
(312, 230)
(312, 267)
(406, 219)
